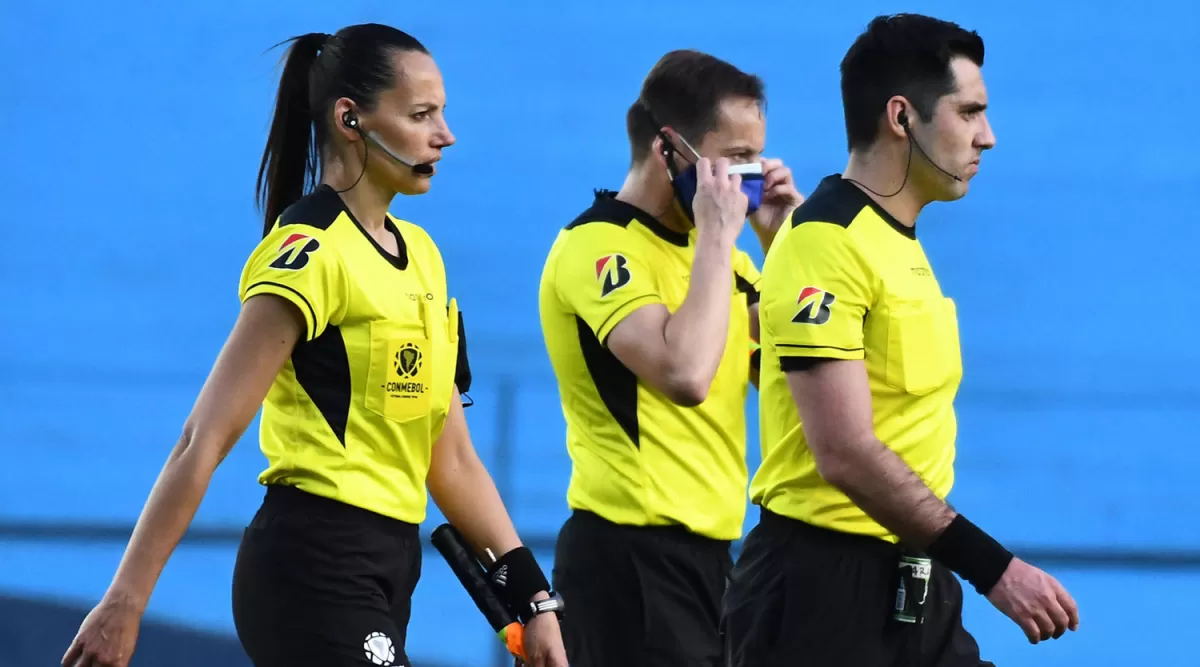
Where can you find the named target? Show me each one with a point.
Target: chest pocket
(412, 365)
(923, 350)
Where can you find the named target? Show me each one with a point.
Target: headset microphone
(418, 168)
(350, 121)
(902, 118)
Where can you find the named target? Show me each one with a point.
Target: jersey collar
(845, 188)
(399, 261)
(608, 205)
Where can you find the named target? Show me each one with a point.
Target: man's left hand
(780, 198)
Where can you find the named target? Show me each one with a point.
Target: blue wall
(133, 136)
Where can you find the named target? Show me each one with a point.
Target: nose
(444, 136)
(986, 138)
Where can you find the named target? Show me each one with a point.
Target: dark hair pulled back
(318, 70)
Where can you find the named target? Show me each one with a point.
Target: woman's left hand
(543, 643)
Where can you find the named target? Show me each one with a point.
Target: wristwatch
(554, 603)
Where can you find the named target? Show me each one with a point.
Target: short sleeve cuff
(804, 352)
(313, 327)
(614, 318)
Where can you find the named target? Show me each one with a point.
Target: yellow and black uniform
(638, 458)
(846, 281)
(857, 286)
(663, 483)
(347, 428)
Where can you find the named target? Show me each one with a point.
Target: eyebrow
(972, 107)
(739, 149)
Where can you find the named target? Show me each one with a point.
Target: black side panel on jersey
(318, 209)
(462, 371)
(744, 286)
(616, 384)
(323, 370)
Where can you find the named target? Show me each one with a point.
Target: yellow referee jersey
(639, 459)
(354, 413)
(846, 280)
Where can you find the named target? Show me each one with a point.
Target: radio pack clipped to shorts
(912, 589)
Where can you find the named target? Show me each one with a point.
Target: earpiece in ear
(903, 119)
(349, 120)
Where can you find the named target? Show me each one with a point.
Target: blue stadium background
(132, 135)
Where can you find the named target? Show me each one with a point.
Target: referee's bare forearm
(834, 403)
(696, 333)
(679, 353)
(888, 490)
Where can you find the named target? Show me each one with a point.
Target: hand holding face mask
(779, 198)
(720, 201)
(751, 185)
(686, 183)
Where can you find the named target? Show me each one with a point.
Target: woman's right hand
(107, 636)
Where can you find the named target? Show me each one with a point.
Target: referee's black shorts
(319, 582)
(806, 595)
(639, 595)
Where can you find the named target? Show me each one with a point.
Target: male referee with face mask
(649, 314)
(853, 560)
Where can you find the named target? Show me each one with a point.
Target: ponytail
(289, 161)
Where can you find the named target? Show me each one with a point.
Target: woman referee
(351, 345)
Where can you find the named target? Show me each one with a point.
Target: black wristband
(517, 578)
(971, 553)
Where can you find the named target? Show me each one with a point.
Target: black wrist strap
(970, 552)
(553, 604)
(517, 577)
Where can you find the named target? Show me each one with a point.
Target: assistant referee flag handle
(511, 577)
(447, 540)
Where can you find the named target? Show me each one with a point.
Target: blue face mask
(752, 186)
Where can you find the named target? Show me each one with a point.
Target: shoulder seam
(822, 221)
(796, 222)
(831, 203)
(584, 220)
(319, 210)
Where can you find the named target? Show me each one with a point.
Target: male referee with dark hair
(649, 312)
(852, 560)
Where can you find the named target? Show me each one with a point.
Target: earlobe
(664, 152)
(659, 151)
(347, 121)
(898, 117)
